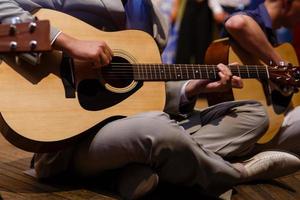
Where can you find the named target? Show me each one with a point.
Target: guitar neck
(175, 72)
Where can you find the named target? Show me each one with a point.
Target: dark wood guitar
(258, 89)
(45, 107)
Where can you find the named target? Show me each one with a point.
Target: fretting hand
(226, 81)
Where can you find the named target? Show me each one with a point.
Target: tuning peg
(13, 45)
(281, 63)
(12, 29)
(32, 27)
(16, 20)
(33, 44)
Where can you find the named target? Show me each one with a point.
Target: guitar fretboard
(169, 72)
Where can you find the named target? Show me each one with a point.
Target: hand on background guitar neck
(285, 90)
(226, 82)
(97, 52)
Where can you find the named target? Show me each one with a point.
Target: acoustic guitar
(45, 107)
(225, 51)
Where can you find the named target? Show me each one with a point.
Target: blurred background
(194, 24)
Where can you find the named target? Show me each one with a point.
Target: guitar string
(151, 67)
(199, 65)
(122, 72)
(192, 66)
(158, 70)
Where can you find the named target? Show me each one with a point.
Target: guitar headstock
(25, 37)
(285, 75)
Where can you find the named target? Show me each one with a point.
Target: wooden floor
(14, 184)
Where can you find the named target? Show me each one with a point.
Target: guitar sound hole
(118, 74)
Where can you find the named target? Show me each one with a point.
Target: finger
(234, 63)
(224, 75)
(107, 50)
(214, 85)
(97, 62)
(237, 82)
(110, 51)
(101, 60)
(223, 78)
(108, 54)
(104, 59)
(225, 70)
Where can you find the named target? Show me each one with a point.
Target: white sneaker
(269, 165)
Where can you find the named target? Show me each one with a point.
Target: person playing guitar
(150, 147)
(253, 31)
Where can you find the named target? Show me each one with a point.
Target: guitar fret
(193, 70)
(170, 76)
(267, 72)
(154, 72)
(257, 71)
(200, 73)
(207, 71)
(138, 71)
(177, 75)
(159, 70)
(238, 69)
(146, 69)
(150, 71)
(175, 71)
(142, 72)
(180, 76)
(247, 71)
(187, 72)
(215, 72)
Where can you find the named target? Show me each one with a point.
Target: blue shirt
(138, 15)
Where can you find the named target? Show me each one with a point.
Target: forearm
(247, 33)
(215, 6)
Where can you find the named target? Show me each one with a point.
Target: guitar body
(40, 114)
(253, 89)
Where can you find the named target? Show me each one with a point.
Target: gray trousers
(178, 155)
(288, 136)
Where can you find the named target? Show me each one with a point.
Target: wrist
(194, 87)
(63, 42)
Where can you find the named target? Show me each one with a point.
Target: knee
(161, 138)
(142, 136)
(235, 23)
